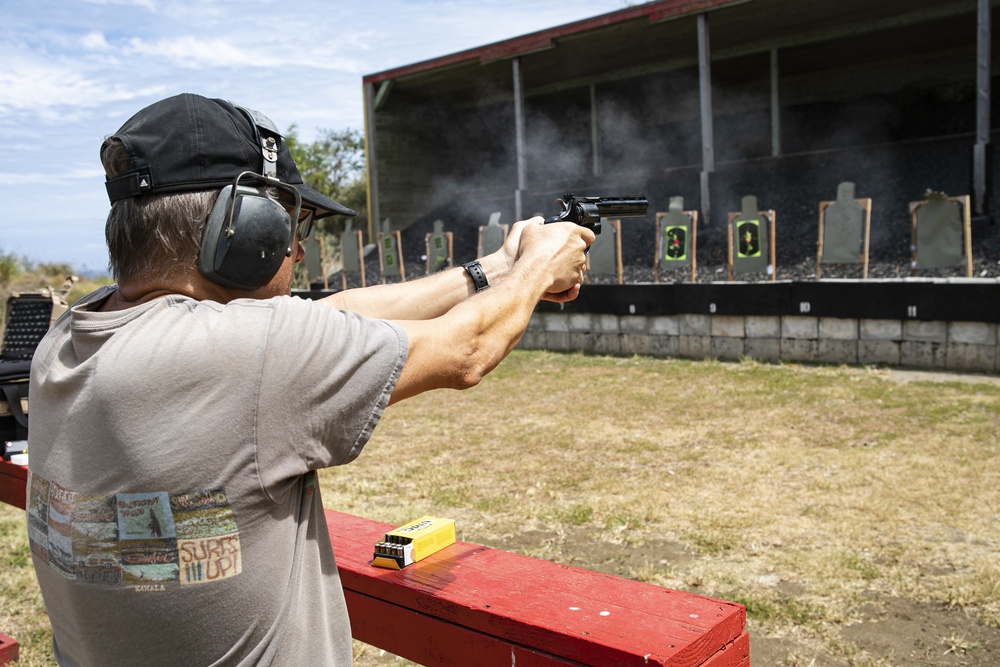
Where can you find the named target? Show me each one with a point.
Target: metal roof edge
(659, 10)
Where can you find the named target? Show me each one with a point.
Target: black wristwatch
(477, 274)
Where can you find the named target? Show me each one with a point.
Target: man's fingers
(564, 296)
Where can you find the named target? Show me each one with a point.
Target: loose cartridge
(414, 541)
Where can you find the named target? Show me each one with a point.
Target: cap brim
(324, 205)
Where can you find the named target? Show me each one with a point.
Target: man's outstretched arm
(458, 348)
(434, 295)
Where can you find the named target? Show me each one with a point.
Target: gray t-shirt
(173, 512)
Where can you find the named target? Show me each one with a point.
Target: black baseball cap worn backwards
(189, 142)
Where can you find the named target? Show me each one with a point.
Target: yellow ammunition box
(414, 541)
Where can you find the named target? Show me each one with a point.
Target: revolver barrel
(588, 211)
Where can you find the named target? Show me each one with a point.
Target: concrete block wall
(934, 345)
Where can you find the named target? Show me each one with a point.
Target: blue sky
(75, 70)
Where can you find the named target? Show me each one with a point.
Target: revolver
(588, 211)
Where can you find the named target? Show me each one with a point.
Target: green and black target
(751, 249)
(390, 257)
(675, 236)
(748, 238)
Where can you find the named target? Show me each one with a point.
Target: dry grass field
(854, 511)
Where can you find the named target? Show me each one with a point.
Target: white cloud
(95, 41)
(95, 174)
(45, 89)
(192, 52)
(145, 4)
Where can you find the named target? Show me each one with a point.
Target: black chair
(26, 320)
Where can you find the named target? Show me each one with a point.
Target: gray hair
(152, 236)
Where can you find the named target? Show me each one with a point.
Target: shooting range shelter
(704, 99)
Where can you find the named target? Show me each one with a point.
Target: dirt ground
(911, 375)
(892, 630)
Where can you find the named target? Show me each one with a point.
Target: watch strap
(475, 270)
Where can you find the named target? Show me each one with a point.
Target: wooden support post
(729, 245)
(617, 224)
(658, 248)
(371, 159)
(966, 233)
(324, 266)
(981, 153)
(595, 130)
(707, 131)
(694, 245)
(773, 242)
(775, 105)
(520, 149)
(866, 246)
(823, 205)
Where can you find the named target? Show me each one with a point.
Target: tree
(334, 164)
(10, 267)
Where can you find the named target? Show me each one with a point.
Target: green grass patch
(780, 609)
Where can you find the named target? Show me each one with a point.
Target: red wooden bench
(9, 650)
(469, 604)
(13, 480)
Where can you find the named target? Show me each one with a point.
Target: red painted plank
(427, 640)
(13, 481)
(574, 614)
(9, 650)
(736, 654)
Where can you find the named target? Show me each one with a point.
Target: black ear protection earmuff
(249, 234)
(246, 238)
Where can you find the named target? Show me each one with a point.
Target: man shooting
(179, 417)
